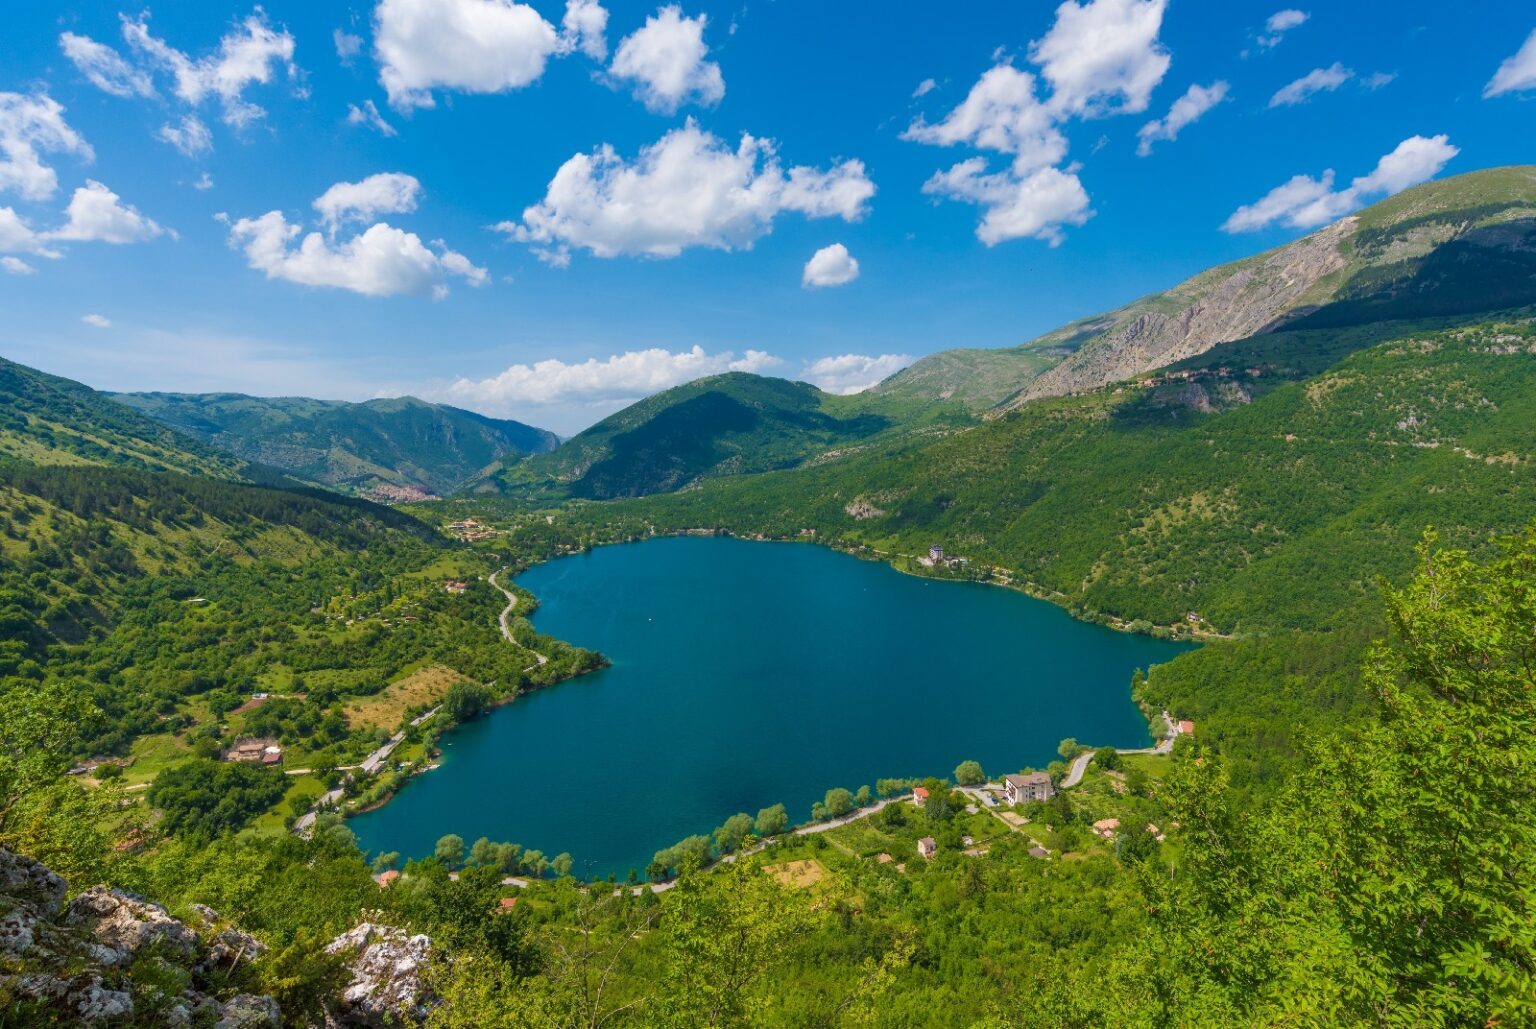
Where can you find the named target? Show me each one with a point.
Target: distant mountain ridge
(399, 442)
(48, 420)
(727, 424)
(1456, 246)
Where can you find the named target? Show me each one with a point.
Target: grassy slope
(400, 441)
(49, 420)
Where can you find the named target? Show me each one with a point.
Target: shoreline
(433, 757)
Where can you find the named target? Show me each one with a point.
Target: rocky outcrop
(122, 925)
(387, 967)
(106, 956)
(1226, 304)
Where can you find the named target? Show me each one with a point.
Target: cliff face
(1230, 303)
(109, 958)
(1459, 246)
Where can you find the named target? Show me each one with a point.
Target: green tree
(772, 820)
(838, 802)
(1394, 881)
(561, 865)
(730, 834)
(466, 701)
(723, 936)
(482, 852)
(1068, 748)
(39, 727)
(387, 860)
(969, 773)
(450, 850)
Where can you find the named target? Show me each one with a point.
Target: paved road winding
(506, 613)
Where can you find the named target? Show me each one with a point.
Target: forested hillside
(45, 419)
(401, 442)
(722, 425)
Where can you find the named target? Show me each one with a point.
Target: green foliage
(731, 832)
(838, 802)
(466, 701)
(1390, 882)
(203, 798)
(722, 425)
(400, 442)
(771, 820)
(969, 773)
(450, 850)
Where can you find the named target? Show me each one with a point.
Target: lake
(747, 674)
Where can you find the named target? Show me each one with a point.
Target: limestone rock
(28, 881)
(124, 924)
(249, 1012)
(387, 968)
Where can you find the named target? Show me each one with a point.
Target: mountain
(1455, 246)
(48, 420)
(721, 425)
(402, 442)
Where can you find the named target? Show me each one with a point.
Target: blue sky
(546, 211)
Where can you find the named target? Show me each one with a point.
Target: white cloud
(95, 214)
(191, 136)
(473, 46)
(17, 237)
(687, 189)
(106, 69)
(1379, 79)
(1100, 58)
(369, 115)
(585, 28)
(30, 126)
(348, 46)
(97, 320)
(385, 193)
(1103, 56)
(630, 375)
(665, 62)
(1279, 24)
(1304, 202)
(381, 261)
(246, 56)
(924, 88)
(1186, 110)
(1002, 113)
(853, 373)
(15, 266)
(1517, 73)
(830, 266)
(1313, 82)
(204, 183)
(1035, 205)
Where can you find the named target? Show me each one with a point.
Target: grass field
(151, 755)
(799, 875)
(386, 709)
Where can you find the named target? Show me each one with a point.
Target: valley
(733, 648)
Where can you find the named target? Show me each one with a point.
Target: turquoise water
(747, 674)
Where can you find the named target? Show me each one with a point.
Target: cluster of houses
(266, 752)
(470, 530)
(388, 493)
(455, 586)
